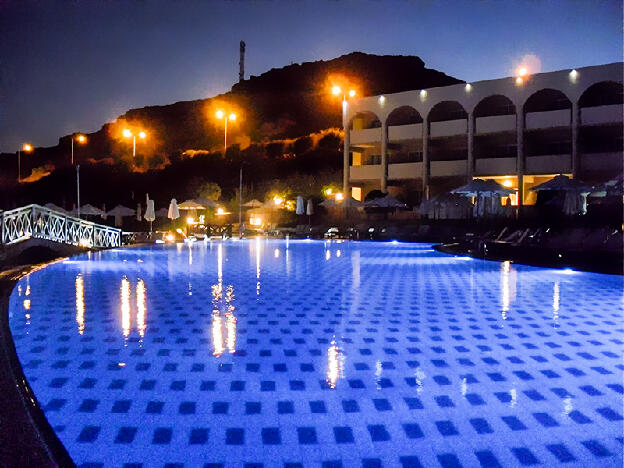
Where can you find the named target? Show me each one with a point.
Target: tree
(209, 190)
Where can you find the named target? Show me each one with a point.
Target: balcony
(601, 115)
(404, 171)
(369, 172)
(405, 132)
(548, 119)
(448, 128)
(367, 135)
(549, 164)
(495, 123)
(448, 168)
(495, 166)
(602, 162)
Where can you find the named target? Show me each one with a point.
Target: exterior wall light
(382, 100)
(423, 94)
(468, 87)
(573, 76)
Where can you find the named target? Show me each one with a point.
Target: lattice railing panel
(40, 222)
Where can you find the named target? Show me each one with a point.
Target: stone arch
(363, 120)
(547, 99)
(603, 93)
(404, 115)
(496, 104)
(447, 110)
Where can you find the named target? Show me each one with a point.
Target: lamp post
(26, 148)
(81, 139)
(222, 116)
(129, 134)
(336, 91)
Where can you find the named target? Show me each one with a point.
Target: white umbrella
(150, 213)
(385, 202)
(300, 205)
(173, 212)
(90, 210)
(52, 206)
(253, 204)
(120, 210)
(477, 187)
(206, 202)
(310, 210)
(562, 183)
(191, 205)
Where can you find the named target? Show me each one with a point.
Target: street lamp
(26, 148)
(129, 134)
(222, 116)
(336, 91)
(81, 139)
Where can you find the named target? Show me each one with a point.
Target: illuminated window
(356, 192)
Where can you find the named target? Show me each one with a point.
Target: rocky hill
(281, 104)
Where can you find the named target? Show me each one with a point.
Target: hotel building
(520, 131)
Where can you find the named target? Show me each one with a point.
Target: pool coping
(26, 436)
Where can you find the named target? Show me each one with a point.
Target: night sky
(70, 66)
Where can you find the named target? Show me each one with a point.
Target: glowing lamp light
(328, 192)
(336, 90)
(190, 220)
(573, 76)
(232, 116)
(220, 114)
(523, 71)
(255, 221)
(277, 200)
(423, 94)
(519, 80)
(220, 211)
(81, 139)
(339, 197)
(127, 133)
(169, 237)
(27, 147)
(351, 93)
(382, 100)
(468, 87)
(507, 183)
(142, 134)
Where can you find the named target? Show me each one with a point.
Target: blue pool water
(266, 353)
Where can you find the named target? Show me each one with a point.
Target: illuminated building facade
(520, 130)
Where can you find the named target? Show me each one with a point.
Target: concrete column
(520, 154)
(471, 164)
(425, 161)
(347, 146)
(575, 131)
(384, 157)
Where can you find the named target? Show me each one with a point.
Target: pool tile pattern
(322, 354)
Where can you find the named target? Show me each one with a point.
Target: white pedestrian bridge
(38, 222)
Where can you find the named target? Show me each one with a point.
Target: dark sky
(70, 66)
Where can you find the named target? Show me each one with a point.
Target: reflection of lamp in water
(217, 337)
(258, 247)
(141, 307)
(555, 305)
(333, 365)
(125, 306)
(230, 320)
(80, 304)
(505, 268)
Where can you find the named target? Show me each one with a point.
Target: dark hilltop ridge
(282, 127)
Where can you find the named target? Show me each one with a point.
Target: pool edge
(28, 439)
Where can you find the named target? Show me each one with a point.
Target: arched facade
(524, 130)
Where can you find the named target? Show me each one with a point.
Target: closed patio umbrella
(253, 204)
(310, 210)
(300, 205)
(191, 205)
(173, 212)
(150, 213)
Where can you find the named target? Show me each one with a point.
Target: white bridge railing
(39, 222)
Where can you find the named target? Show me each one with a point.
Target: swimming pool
(322, 354)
